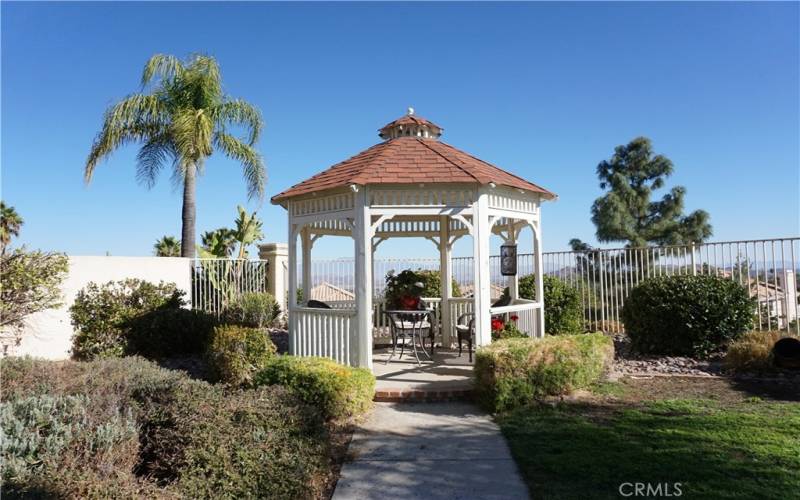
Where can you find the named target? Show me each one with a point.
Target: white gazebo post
(362, 237)
(539, 272)
(481, 232)
(446, 275)
(306, 244)
(292, 298)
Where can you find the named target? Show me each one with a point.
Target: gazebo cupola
(410, 185)
(410, 126)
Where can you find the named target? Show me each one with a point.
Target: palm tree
(248, 230)
(182, 120)
(218, 243)
(167, 246)
(10, 223)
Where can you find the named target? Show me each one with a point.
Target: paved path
(429, 451)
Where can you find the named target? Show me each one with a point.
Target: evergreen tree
(626, 213)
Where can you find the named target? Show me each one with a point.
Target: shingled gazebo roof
(411, 154)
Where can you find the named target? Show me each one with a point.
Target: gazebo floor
(447, 377)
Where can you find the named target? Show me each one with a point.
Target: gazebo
(410, 185)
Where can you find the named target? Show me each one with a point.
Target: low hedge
(338, 390)
(514, 372)
(236, 353)
(125, 428)
(686, 315)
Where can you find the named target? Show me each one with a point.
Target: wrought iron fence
(766, 268)
(217, 282)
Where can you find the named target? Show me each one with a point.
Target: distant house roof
(327, 292)
(411, 154)
(767, 291)
(495, 291)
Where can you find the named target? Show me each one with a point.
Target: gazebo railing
(525, 312)
(329, 333)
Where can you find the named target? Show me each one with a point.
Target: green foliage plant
(236, 353)
(102, 313)
(687, 315)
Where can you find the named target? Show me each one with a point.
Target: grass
(717, 441)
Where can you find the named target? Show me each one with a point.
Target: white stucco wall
(49, 334)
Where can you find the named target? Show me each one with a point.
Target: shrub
(514, 372)
(338, 390)
(753, 351)
(169, 331)
(30, 282)
(101, 313)
(686, 315)
(189, 439)
(69, 446)
(408, 282)
(253, 309)
(236, 353)
(562, 304)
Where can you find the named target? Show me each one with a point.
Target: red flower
(497, 324)
(514, 317)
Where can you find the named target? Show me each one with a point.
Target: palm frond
(240, 112)
(254, 170)
(163, 66)
(152, 157)
(136, 118)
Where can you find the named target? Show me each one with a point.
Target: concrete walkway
(429, 451)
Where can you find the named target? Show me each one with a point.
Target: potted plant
(404, 290)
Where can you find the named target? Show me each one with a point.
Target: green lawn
(716, 441)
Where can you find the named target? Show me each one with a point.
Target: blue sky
(544, 90)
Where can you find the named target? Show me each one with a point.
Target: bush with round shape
(339, 391)
(562, 304)
(101, 313)
(514, 372)
(236, 353)
(686, 315)
(253, 309)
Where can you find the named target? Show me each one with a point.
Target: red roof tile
(409, 160)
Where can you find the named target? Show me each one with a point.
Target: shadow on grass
(587, 450)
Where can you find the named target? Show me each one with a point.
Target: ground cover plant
(516, 371)
(719, 440)
(686, 315)
(126, 428)
(337, 390)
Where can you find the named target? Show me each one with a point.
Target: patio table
(410, 324)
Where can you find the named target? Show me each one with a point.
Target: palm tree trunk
(188, 214)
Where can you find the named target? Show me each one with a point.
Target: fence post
(694, 261)
(277, 257)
